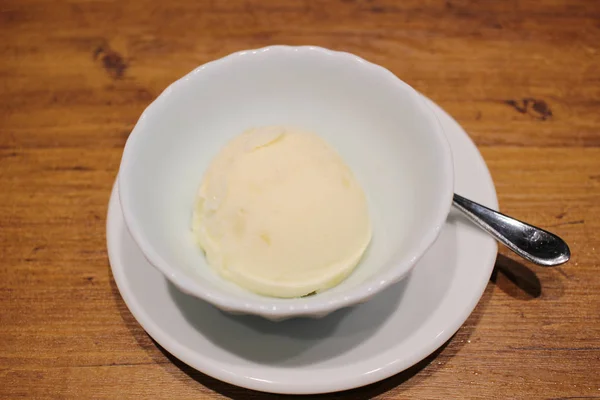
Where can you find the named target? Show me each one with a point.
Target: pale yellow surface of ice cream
(280, 214)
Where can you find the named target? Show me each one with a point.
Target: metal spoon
(531, 243)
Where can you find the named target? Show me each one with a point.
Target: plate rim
(385, 371)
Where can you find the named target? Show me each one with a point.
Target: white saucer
(350, 348)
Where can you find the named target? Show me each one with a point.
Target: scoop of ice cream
(280, 214)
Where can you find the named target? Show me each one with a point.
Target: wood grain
(522, 77)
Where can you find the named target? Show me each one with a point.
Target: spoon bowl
(530, 242)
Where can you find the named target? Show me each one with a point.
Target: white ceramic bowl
(380, 126)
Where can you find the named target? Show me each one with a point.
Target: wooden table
(522, 77)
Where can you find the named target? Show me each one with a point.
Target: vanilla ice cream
(280, 214)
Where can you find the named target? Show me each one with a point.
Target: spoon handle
(532, 243)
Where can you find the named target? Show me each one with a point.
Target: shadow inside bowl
(292, 342)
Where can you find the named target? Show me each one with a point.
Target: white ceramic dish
(348, 349)
(380, 125)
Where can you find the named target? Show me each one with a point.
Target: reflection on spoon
(531, 243)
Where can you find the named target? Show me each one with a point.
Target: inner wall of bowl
(376, 127)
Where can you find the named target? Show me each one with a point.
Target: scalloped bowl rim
(312, 306)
